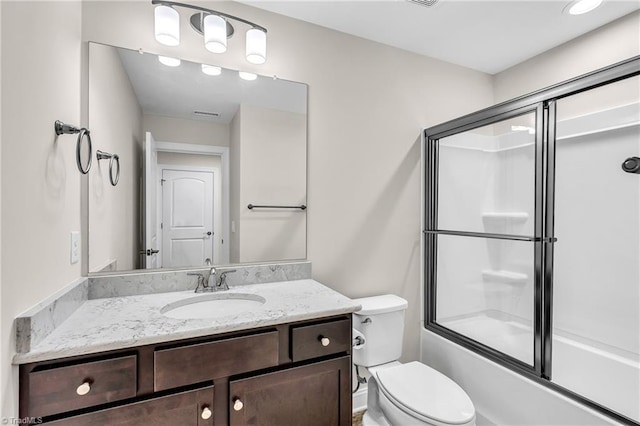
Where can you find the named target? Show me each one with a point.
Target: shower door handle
(631, 165)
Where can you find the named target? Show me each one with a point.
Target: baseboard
(360, 400)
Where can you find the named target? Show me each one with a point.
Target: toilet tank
(381, 322)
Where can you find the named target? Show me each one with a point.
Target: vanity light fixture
(167, 25)
(256, 47)
(213, 25)
(211, 69)
(578, 7)
(168, 61)
(249, 76)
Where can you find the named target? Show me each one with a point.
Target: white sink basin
(212, 305)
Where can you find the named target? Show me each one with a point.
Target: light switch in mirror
(195, 151)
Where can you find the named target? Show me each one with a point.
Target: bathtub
(605, 375)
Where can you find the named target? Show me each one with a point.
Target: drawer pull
(237, 404)
(206, 413)
(324, 341)
(84, 388)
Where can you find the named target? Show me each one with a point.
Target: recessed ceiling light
(578, 7)
(170, 62)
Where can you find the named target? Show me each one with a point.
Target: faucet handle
(223, 279)
(201, 281)
(224, 273)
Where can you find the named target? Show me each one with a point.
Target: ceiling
(488, 36)
(183, 90)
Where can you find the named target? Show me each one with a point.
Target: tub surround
(35, 327)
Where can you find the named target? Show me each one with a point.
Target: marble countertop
(128, 321)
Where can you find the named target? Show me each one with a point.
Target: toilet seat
(426, 394)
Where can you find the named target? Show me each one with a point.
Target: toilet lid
(419, 389)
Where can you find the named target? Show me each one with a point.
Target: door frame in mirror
(223, 153)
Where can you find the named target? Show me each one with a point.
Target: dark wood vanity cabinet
(290, 374)
(306, 395)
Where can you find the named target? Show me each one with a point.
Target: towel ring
(66, 129)
(101, 155)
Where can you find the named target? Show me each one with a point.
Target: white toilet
(402, 394)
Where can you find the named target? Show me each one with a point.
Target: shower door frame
(543, 103)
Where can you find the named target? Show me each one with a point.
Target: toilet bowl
(402, 394)
(416, 394)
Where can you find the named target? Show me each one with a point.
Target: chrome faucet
(203, 281)
(222, 284)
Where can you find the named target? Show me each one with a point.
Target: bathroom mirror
(197, 146)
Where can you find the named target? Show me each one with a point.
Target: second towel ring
(66, 129)
(101, 155)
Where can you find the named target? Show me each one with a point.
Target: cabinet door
(192, 408)
(315, 394)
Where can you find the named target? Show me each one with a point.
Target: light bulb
(170, 62)
(167, 25)
(211, 69)
(256, 46)
(249, 76)
(215, 34)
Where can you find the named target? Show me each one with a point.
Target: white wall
(604, 46)
(273, 156)
(41, 77)
(115, 121)
(182, 130)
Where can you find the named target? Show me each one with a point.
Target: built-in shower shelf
(507, 277)
(515, 216)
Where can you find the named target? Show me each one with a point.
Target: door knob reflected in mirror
(149, 252)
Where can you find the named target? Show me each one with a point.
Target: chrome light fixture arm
(210, 11)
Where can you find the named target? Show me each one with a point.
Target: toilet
(411, 394)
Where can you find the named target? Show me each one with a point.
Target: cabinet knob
(84, 388)
(237, 404)
(206, 413)
(324, 341)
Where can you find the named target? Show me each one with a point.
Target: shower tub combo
(532, 246)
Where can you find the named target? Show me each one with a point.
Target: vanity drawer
(61, 389)
(190, 408)
(185, 365)
(316, 340)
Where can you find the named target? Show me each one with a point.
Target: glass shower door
(596, 281)
(484, 265)
(532, 236)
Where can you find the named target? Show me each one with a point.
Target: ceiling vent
(207, 114)
(425, 3)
